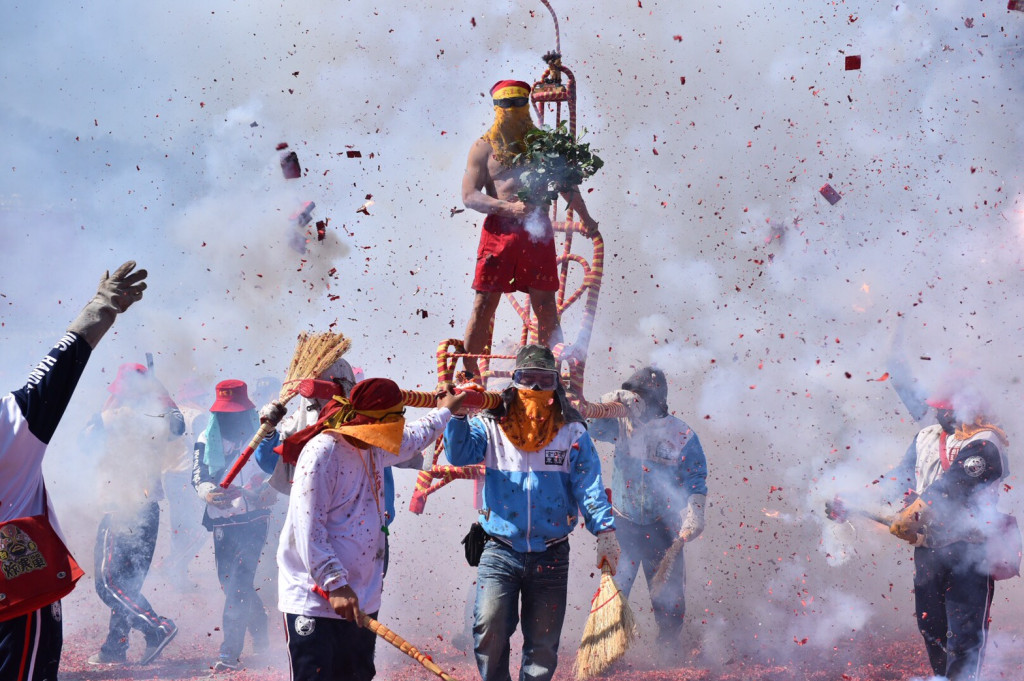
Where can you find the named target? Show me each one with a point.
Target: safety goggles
(511, 102)
(535, 379)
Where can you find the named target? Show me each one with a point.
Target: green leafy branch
(554, 162)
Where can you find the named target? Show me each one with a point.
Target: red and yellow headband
(510, 89)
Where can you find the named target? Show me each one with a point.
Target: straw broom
(666, 567)
(610, 629)
(403, 645)
(314, 354)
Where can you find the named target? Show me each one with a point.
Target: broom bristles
(610, 630)
(314, 354)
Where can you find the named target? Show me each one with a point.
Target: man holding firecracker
(517, 246)
(950, 473)
(541, 471)
(659, 489)
(948, 480)
(31, 637)
(331, 553)
(238, 516)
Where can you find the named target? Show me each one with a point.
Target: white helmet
(340, 371)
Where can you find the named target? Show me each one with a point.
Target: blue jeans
(502, 577)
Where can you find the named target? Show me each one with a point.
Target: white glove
(693, 523)
(272, 413)
(114, 295)
(222, 498)
(608, 550)
(634, 405)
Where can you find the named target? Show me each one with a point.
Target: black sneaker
(224, 665)
(105, 658)
(166, 632)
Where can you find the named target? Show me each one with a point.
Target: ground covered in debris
(867, 659)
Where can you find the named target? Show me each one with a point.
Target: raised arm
(46, 394)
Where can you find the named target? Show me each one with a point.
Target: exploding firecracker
(289, 162)
(365, 208)
(830, 194)
(304, 215)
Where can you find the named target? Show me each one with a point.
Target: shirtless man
(517, 245)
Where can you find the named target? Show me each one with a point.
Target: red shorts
(511, 259)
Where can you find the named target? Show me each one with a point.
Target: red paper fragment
(472, 21)
(354, 154)
(853, 62)
(282, 145)
(830, 194)
(1015, 5)
(677, 38)
(682, 80)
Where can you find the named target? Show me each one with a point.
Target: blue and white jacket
(658, 466)
(531, 499)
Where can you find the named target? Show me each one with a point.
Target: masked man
(331, 554)
(307, 413)
(659, 489)
(517, 245)
(140, 427)
(950, 472)
(31, 640)
(238, 516)
(344, 377)
(541, 470)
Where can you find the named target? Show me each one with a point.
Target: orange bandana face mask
(385, 431)
(533, 419)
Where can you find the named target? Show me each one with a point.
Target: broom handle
(264, 432)
(403, 645)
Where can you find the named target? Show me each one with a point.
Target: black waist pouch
(474, 544)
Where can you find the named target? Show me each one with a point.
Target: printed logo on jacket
(18, 553)
(554, 457)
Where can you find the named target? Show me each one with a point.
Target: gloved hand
(693, 523)
(115, 294)
(272, 413)
(222, 498)
(909, 523)
(608, 550)
(634, 405)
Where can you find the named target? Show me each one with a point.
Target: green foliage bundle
(554, 162)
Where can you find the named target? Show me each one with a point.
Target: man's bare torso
(502, 181)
